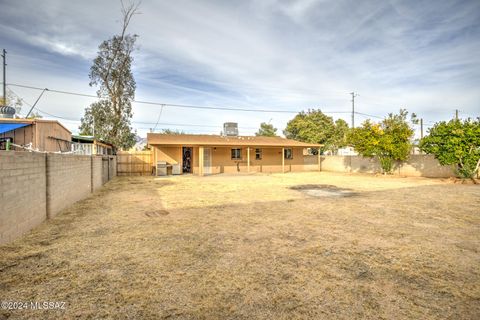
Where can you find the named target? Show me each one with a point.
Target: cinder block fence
(37, 186)
(416, 166)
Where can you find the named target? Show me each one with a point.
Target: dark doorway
(187, 159)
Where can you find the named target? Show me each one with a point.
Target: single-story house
(212, 154)
(39, 134)
(88, 145)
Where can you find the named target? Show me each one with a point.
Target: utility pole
(4, 56)
(353, 108)
(421, 128)
(456, 114)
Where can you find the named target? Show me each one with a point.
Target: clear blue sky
(287, 55)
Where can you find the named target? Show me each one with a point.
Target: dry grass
(251, 247)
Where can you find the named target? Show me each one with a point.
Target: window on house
(258, 154)
(236, 154)
(288, 154)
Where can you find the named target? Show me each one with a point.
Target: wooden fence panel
(137, 163)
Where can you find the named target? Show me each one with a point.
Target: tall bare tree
(109, 119)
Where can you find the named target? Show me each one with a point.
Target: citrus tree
(389, 141)
(455, 143)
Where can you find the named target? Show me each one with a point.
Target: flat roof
(31, 121)
(84, 138)
(90, 139)
(216, 140)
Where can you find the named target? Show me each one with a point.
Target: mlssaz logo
(46, 305)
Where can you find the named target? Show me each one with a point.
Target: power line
(136, 122)
(153, 123)
(35, 103)
(158, 120)
(164, 123)
(188, 130)
(187, 125)
(369, 115)
(51, 90)
(36, 108)
(353, 112)
(176, 105)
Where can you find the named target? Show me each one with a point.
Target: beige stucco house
(212, 154)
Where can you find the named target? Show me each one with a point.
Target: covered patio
(210, 154)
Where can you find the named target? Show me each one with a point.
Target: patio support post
(248, 159)
(200, 161)
(154, 164)
(283, 160)
(319, 161)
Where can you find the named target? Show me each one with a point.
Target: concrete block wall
(112, 168)
(310, 163)
(361, 164)
(419, 165)
(415, 166)
(22, 196)
(105, 169)
(335, 164)
(37, 186)
(69, 179)
(97, 169)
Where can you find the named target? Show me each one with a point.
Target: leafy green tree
(109, 119)
(340, 134)
(266, 130)
(389, 141)
(455, 143)
(314, 126)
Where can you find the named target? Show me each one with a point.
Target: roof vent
(7, 112)
(230, 129)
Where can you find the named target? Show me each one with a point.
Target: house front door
(187, 159)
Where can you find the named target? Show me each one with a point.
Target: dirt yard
(293, 246)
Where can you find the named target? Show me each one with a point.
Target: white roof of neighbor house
(216, 140)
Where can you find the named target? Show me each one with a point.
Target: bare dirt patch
(156, 213)
(324, 190)
(251, 247)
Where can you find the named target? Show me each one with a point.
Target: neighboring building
(347, 151)
(88, 145)
(210, 154)
(37, 134)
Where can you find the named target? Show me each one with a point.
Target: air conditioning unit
(230, 129)
(161, 168)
